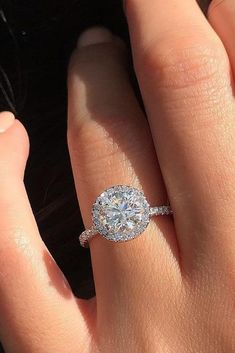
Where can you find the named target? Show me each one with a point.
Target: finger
(184, 75)
(221, 15)
(37, 310)
(110, 144)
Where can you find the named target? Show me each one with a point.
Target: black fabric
(38, 39)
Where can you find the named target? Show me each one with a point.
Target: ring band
(121, 213)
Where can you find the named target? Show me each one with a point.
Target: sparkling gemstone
(121, 213)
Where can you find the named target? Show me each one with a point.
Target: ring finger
(110, 143)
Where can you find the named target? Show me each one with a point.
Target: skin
(171, 289)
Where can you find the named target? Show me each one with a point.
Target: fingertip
(6, 120)
(94, 35)
(14, 147)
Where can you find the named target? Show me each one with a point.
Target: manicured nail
(6, 120)
(95, 35)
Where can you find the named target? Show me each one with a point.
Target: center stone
(121, 213)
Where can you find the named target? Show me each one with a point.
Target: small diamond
(121, 213)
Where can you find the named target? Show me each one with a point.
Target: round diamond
(121, 213)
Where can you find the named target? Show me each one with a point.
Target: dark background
(36, 40)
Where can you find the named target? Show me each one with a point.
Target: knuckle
(88, 141)
(95, 136)
(182, 65)
(93, 152)
(103, 141)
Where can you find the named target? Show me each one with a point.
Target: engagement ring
(121, 213)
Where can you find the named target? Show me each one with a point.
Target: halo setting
(121, 213)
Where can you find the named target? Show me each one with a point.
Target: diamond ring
(121, 213)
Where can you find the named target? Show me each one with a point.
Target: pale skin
(172, 289)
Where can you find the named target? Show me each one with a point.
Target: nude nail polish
(94, 35)
(6, 120)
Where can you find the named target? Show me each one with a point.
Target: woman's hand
(172, 289)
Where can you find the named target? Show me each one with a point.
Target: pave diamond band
(121, 213)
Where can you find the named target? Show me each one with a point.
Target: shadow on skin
(117, 118)
(57, 279)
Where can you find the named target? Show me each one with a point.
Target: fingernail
(6, 120)
(94, 35)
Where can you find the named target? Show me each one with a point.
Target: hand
(171, 289)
